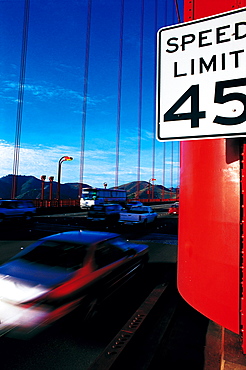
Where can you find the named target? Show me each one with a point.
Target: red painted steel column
(243, 262)
(209, 229)
(210, 224)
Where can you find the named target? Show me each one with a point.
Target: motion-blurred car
(108, 213)
(138, 216)
(13, 209)
(59, 273)
(174, 209)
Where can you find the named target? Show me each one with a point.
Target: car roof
(106, 205)
(16, 200)
(9, 200)
(109, 204)
(85, 237)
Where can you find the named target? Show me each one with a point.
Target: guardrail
(39, 203)
(55, 203)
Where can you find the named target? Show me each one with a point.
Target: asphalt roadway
(70, 344)
(195, 342)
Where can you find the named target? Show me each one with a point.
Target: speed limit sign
(201, 78)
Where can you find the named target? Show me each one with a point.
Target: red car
(58, 273)
(174, 209)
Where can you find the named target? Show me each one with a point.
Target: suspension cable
(140, 96)
(163, 170)
(119, 94)
(171, 169)
(177, 10)
(84, 108)
(20, 98)
(154, 113)
(178, 160)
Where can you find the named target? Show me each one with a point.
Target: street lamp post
(152, 188)
(62, 159)
(51, 178)
(43, 177)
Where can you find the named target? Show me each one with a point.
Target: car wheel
(145, 223)
(1, 218)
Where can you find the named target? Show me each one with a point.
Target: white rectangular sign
(201, 78)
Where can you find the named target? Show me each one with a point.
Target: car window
(107, 253)
(20, 205)
(58, 254)
(139, 210)
(121, 243)
(110, 208)
(29, 205)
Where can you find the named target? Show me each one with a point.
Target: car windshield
(89, 195)
(58, 254)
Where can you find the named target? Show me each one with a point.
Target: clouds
(34, 160)
(47, 92)
(99, 165)
(43, 92)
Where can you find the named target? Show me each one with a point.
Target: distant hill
(159, 191)
(29, 187)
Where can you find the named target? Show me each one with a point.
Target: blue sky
(54, 85)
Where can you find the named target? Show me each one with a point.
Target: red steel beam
(210, 223)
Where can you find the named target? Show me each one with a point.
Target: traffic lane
(72, 344)
(69, 344)
(159, 246)
(8, 248)
(14, 236)
(81, 216)
(165, 223)
(58, 348)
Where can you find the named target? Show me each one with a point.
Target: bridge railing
(39, 203)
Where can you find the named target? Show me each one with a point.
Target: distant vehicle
(174, 209)
(61, 272)
(138, 215)
(108, 213)
(92, 196)
(12, 209)
(134, 203)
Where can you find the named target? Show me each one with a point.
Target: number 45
(194, 115)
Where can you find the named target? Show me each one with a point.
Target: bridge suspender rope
(154, 139)
(119, 94)
(20, 98)
(171, 174)
(84, 108)
(140, 96)
(163, 170)
(177, 10)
